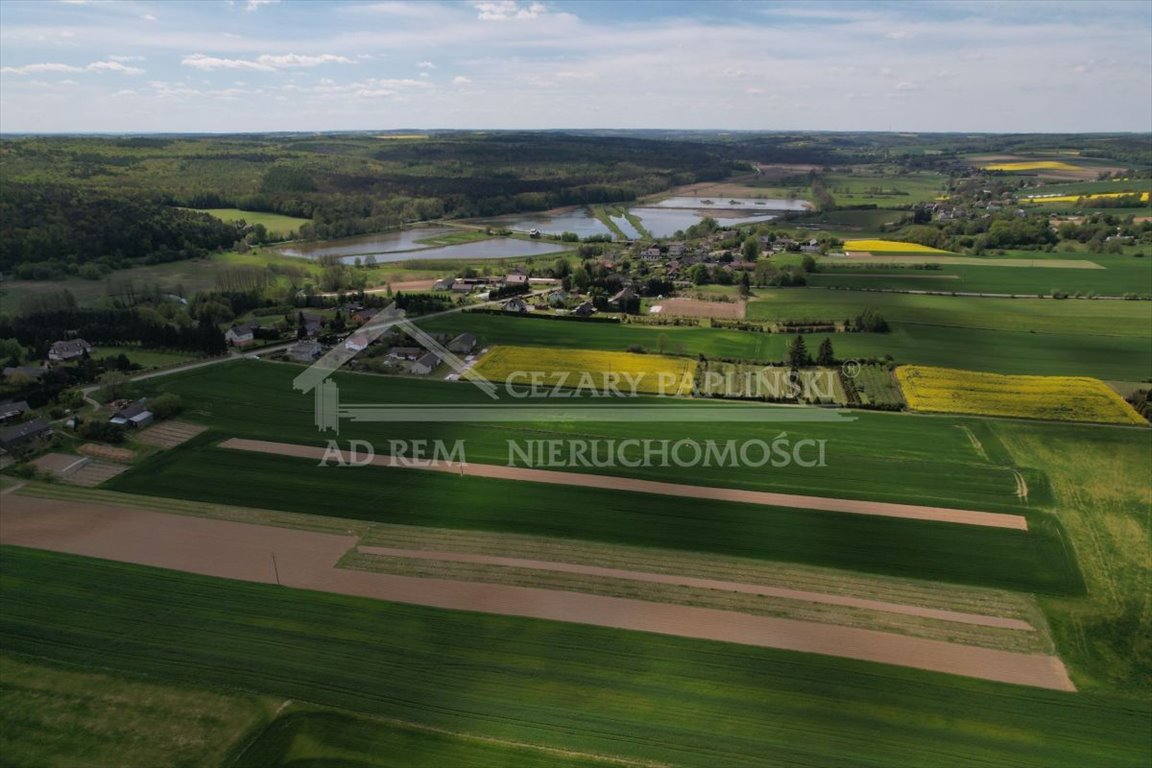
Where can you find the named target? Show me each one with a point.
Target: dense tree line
(51, 230)
(111, 326)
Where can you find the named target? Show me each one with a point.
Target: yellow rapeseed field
(591, 371)
(888, 246)
(1032, 165)
(1058, 398)
(1075, 198)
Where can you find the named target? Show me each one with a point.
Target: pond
(731, 204)
(402, 246)
(581, 221)
(664, 222)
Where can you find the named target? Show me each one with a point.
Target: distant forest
(89, 205)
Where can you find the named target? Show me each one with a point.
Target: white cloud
(149, 17)
(265, 63)
(113, 57)
(426, 65)
(253, 5)
(508, 10)
(33, 69)
(461, 80)
(113, 66)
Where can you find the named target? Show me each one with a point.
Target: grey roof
(137, 408)
(25, 431)
(467, 339)
(429, 360)
(13, 408)
(407, 352)
(69, 347)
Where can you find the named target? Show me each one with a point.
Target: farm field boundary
(305, 561)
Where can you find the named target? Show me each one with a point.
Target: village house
(515, 279)
(651, 254)
(313, 324)
(405, 353)
(425, 365)
(443, 284)
(558, 298)
(242, 335)
(23, 434)
(364, 315)
(305, 351)
(622, 297)
(584, 310)
(12, 411)
(462, 344)
(357, 342)
(517, 306)
(71, 349)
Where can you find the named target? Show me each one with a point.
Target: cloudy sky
(263, 65)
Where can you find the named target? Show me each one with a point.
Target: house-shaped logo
(316, 378)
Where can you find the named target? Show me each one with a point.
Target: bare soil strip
(305, 560)
(850, 506)
(725, 586)
(169, 434)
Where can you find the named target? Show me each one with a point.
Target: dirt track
(306, 560)
(850, 506)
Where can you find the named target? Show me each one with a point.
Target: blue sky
(264, 65)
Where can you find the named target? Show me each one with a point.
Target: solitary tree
(825, 356)
(751, 248)
(798, 353)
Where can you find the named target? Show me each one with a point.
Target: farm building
(23, 434)
(241, 335)
(584, 310)
(13, 410)
(357, 342)
(133, 416)
(364, 315)
(443, 284)
(462, 344)
(517, 306)
(425, 365)
(63, 351)
(515, 279)
(405, 353)
(305, 351)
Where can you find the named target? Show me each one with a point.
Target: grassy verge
(1100, 483)
(54, 715)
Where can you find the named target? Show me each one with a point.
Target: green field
(935, 463)
(682, 702)
(279, 227)
(1031, 561)
(1122, 274)
(54, 715)
(885, 190)
(1087, 318)
(980, 349)
(310, 736)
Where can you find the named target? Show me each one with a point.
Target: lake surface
(402, 246)
(665, 222)
(580, 221)
(731, 204)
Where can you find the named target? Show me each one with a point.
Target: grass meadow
(682, 702)
(279, 226)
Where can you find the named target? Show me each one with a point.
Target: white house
(63, 351)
